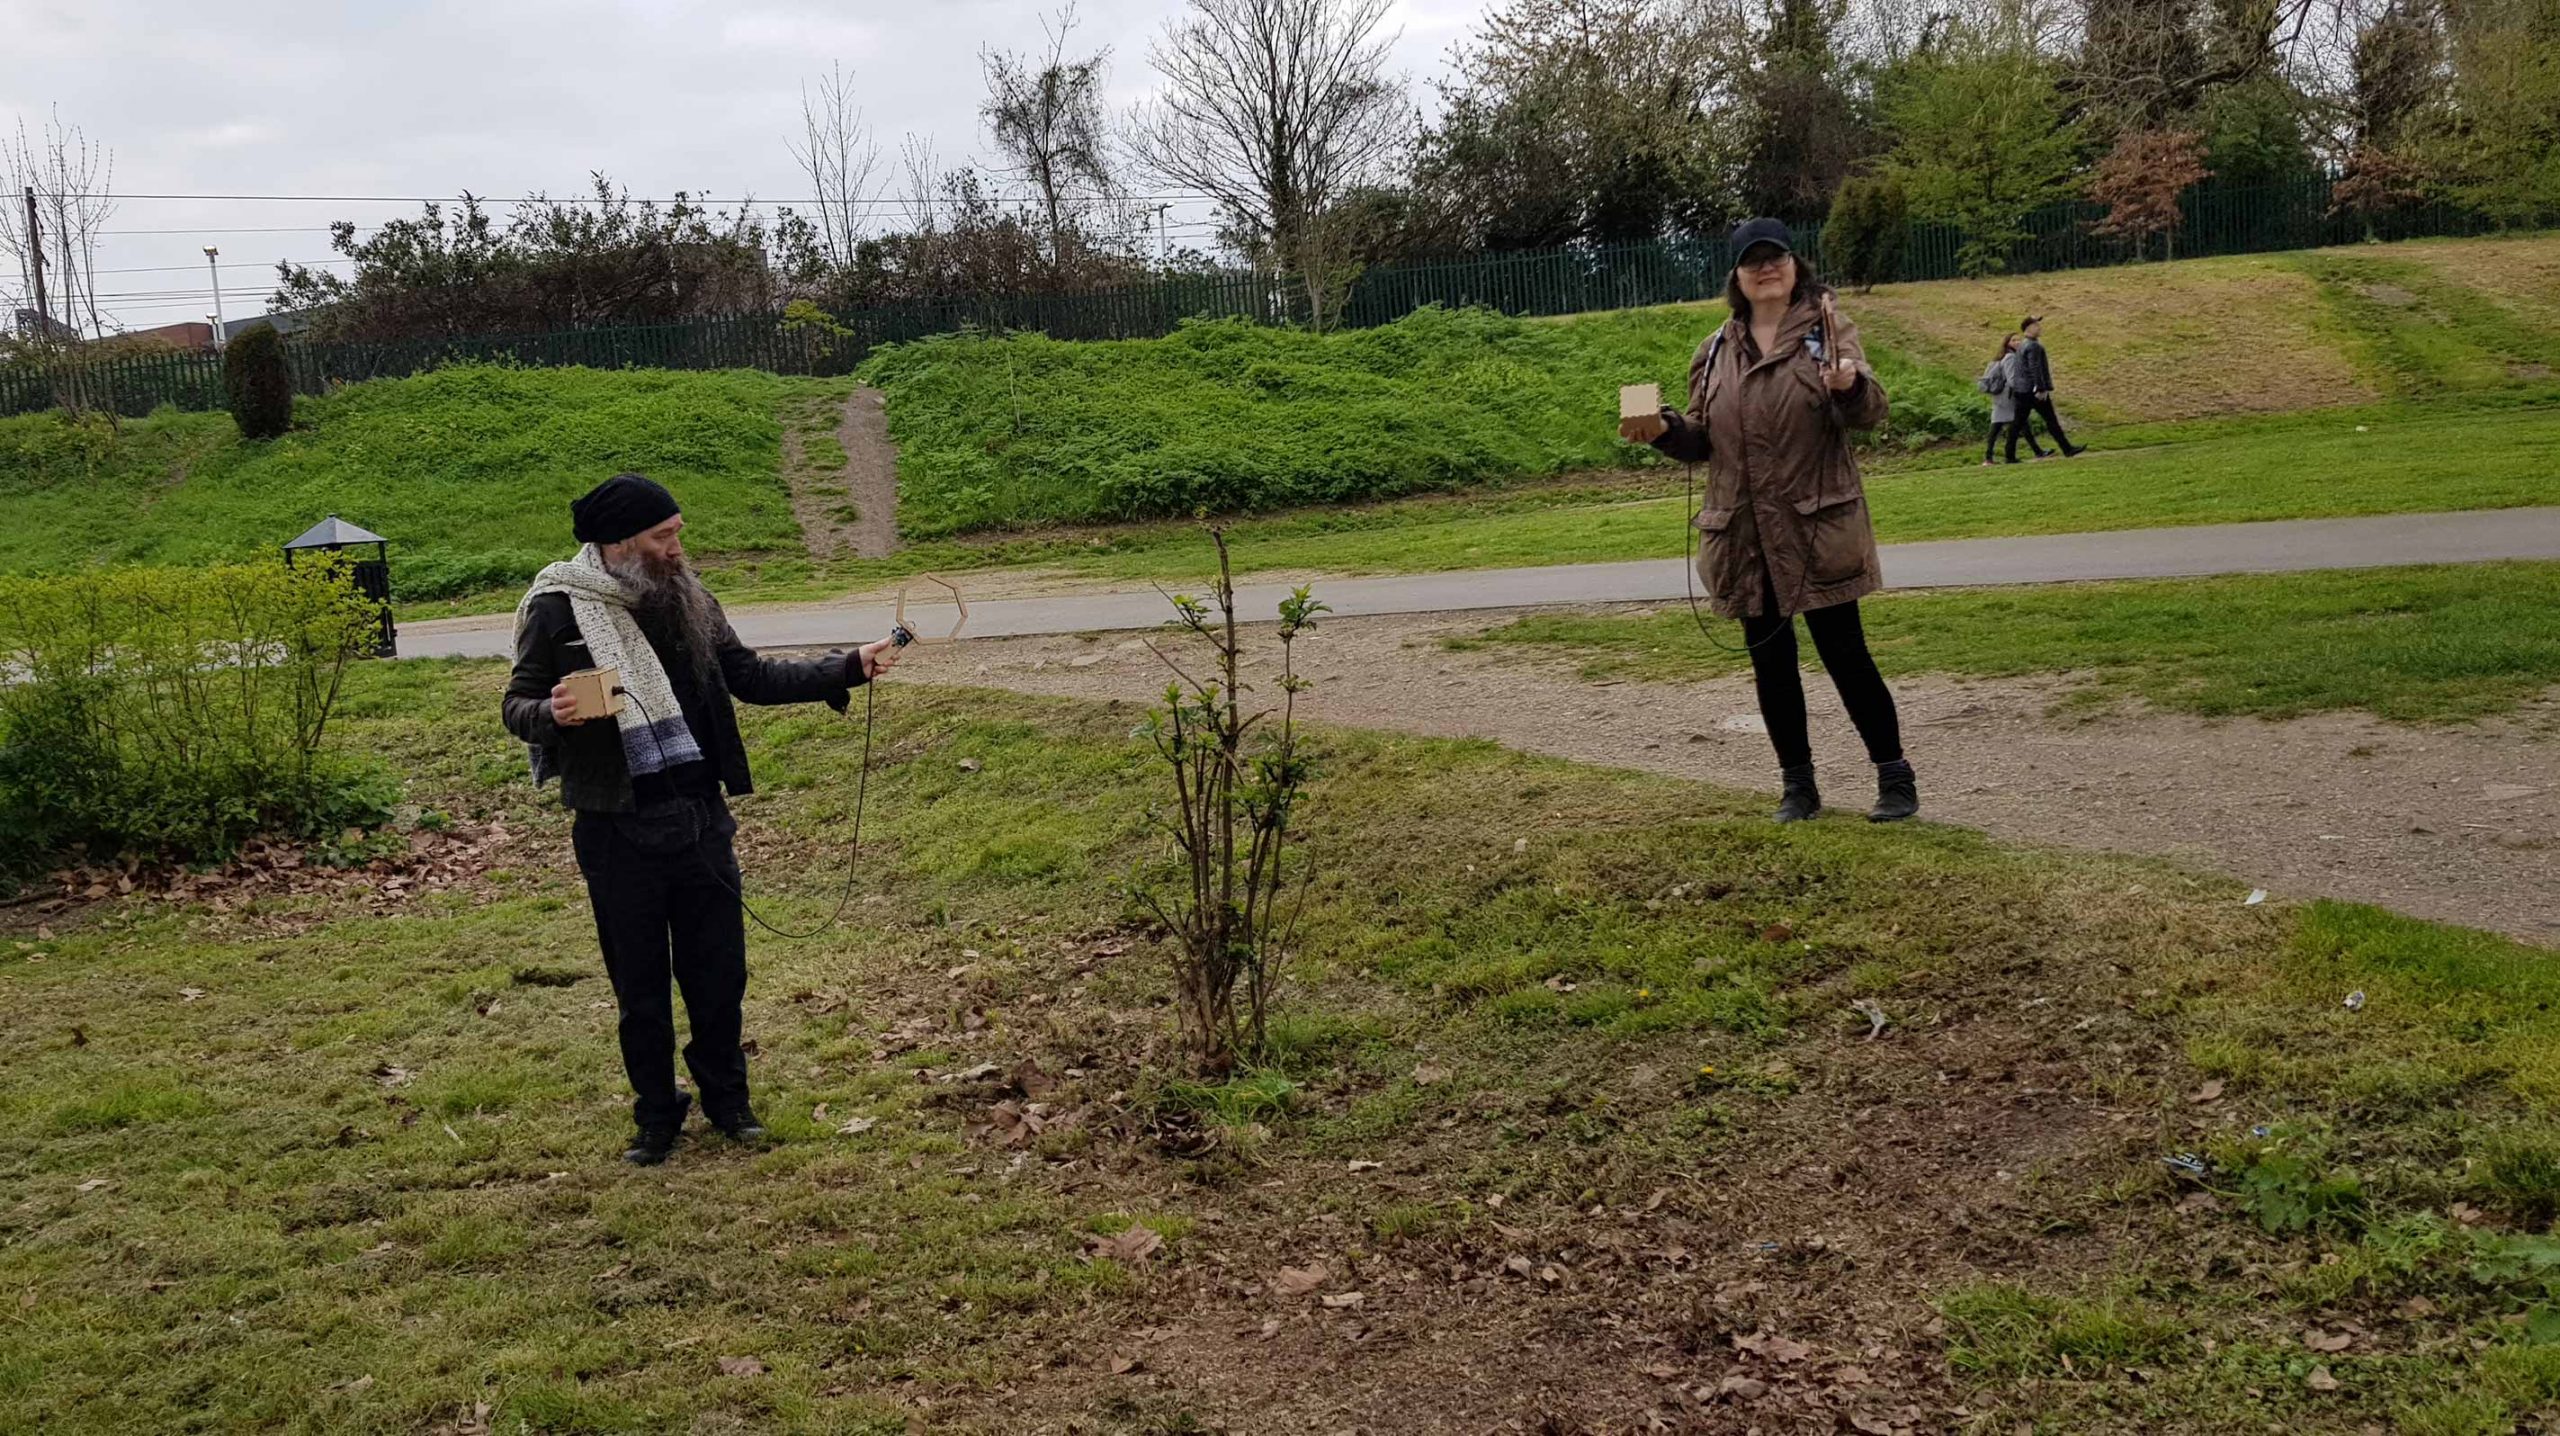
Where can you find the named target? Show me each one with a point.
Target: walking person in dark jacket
(2000, 381)
(2037, 372)
(1784, 531)
(652, 832)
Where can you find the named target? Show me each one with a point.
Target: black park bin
(372, 575)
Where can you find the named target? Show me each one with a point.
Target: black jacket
(2034, 370)
(594, 777)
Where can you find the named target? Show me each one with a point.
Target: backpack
(1994, 380)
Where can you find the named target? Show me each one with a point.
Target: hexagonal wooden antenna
(908, 629)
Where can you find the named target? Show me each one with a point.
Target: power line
(177, 268)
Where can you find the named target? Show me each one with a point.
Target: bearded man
(652, 831)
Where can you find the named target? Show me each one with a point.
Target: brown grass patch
(2148, 341)
(2520, 275)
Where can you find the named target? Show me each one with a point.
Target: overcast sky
(406, 97)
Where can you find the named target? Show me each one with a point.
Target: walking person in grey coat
(2000, 381)
(2036, 394)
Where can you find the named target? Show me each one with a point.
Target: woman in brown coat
(1784, 529)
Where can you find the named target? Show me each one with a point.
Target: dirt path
(871, 473)
(2458, 824)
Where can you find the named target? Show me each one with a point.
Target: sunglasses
(1764, 263)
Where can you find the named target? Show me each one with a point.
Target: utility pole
(213, 261)
(35, 248)
(1164, 250)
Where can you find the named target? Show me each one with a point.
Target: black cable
(853, 854)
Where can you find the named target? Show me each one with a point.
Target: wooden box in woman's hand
(1636, 401)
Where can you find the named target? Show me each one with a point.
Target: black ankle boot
(650, 1145)
(1799, 799)
(1897, 792)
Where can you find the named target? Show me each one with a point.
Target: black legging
(2014, 428)
(2028, 405)
(1842, 642)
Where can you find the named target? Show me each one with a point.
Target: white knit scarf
(652, 726)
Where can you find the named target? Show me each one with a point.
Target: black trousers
(2028, 405)
(2013, 428)
(656, 882)
(1841, 640)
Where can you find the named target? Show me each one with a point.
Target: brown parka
(1785, 516)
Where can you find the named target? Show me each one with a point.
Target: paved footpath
(2284, 547)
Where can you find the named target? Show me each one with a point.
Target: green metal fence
(2217, 220)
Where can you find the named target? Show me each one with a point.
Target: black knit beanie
(621, 506)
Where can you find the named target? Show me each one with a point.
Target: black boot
(1799, 799)
(651, 1144)
(1897, 792)
(739, 1126)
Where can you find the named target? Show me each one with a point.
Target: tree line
(1558, 123)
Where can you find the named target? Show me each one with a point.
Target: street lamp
(213, 261)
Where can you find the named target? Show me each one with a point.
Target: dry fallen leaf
(2209, 1092)
(1776, 1348)
(741, 1366)
(27, 1299)
(1340, 1300)
(92, 1184)
(1428, 1075)
(189, 994)
(1122, 1365)
(2321, 1380)
(359, 1384)
(1133, 1244)
(1743, 1388)
(857, 1126)
(1299, 1280)
(2319, 1340)
(1360, 1166)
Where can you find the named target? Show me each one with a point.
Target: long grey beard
(674, 611)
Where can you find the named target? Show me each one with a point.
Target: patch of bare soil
(1774, 1276)
(2458, 824)
(870, 474)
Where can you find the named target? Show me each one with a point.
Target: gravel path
(2459, 823)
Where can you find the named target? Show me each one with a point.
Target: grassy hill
(2256, 333)
(2211, 384)
(468, 470)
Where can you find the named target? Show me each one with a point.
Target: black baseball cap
(1761, 231)
(2031, 319)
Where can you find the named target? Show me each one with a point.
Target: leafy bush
(1228, 416)
(259, 384)
(1869, 225)
(173, 713)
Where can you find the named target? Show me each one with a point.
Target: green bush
(259, 384)
(1227, 416)
(1869, 225)
(172, 713)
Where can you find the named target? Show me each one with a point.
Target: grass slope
(469, 471)
(312, 1164)
(2255, 333)
(2414, 644)
(1228, 416)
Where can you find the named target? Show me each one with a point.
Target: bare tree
(74, 183)
(1046, 118)
(837, 153)
(1275, 109)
